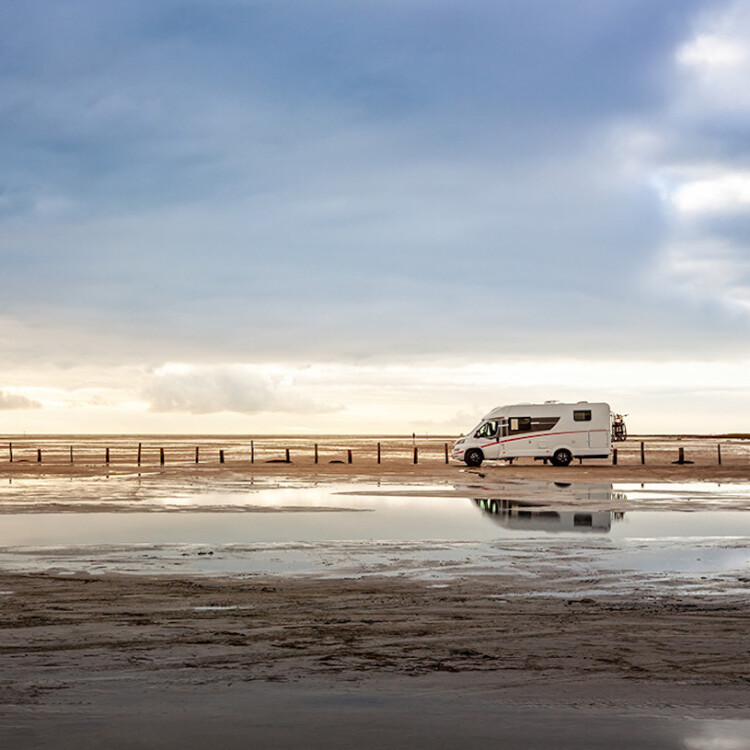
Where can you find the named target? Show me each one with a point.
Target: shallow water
(331, 517)
(520, 529)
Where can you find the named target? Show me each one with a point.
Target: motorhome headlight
(459, 442)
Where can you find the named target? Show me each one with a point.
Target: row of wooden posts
(287, 455)
(349, 456)
(680, 455)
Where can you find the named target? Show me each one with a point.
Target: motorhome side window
(487, 430)
(540, 424)
(582, 415)
(520, 424)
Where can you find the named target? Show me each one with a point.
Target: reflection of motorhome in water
(552, 430)
(521, 516)
(553, 507)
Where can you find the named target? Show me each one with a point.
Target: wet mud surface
(539, 614)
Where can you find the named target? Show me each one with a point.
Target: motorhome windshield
(487, 430)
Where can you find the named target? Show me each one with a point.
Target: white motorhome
(552, 430)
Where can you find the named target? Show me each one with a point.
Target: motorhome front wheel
(474, 457)
(562, 457)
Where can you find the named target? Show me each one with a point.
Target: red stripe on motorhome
(539, 434)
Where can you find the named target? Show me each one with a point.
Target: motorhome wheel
(474, 457)
(562, 457)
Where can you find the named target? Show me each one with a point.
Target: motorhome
(551, 431)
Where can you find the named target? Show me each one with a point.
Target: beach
(707, 458)
(437, 633)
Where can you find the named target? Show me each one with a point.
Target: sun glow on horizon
(439, 398)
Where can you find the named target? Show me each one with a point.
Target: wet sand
(181, 630)
(147, 660)
(268, 659)
(87, 651)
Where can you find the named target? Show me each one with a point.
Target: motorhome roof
(501, 411)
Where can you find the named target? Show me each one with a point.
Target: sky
(256, 216)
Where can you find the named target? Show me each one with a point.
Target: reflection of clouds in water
(557, 566)
(516, 528)
(724, 735)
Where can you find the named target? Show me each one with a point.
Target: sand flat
(268, 454)
(182, 662)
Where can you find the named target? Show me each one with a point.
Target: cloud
(711, 266)
(715, 61)
(240, 181)
(444, 397)
(712, 51)
(227, 388)
(717, 193)
(697, 156)
(10, 400)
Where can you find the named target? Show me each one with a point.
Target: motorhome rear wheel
(562, 457)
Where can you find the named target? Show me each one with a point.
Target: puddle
(560, 534)
(326, 514)
(217, 607)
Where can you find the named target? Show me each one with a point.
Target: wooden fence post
(316, 453)
(106, 456)
(614, 457)
(252, 452)
(197, 454)
(445, 446)
(643, 453)
(221, 457)
(349, 456)
(718, 453)
(10, 452)
(681, 459)
(416, 455)
(39, 455)
(139, 454)
(287, 459)
(71, 454)
(161, 456)
(378, 452)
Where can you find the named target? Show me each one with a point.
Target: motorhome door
(487, 435)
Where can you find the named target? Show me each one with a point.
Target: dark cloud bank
(253, 180)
